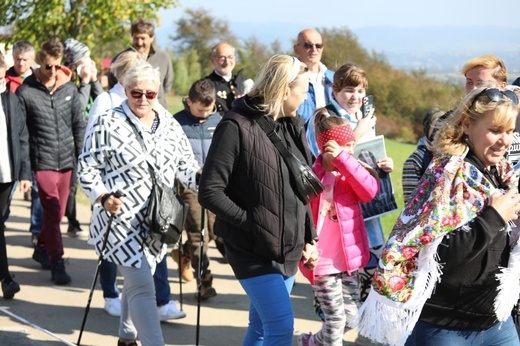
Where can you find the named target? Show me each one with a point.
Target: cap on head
(74, 51)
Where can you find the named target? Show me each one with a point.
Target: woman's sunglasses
(496, 95)
(137, 94)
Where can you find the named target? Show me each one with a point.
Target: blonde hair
(124, 61)
(489, 61)
(273, 81)
(142, 71)
(450, 139)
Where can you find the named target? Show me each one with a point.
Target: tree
(92, 22)
(200, 31)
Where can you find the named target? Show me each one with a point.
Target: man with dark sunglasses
(54, 115)
(309, 49)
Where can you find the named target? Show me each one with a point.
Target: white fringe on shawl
(509, 287)
(391, 323)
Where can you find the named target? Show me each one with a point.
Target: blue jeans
(503, 334)
(162, 285)
(107, 279)
(108, 273)
(271, 317)
(36, 209)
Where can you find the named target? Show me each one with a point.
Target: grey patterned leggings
(339, 298)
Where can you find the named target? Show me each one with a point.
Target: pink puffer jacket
(355, 185)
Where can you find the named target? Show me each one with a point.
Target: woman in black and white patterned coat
(113, 159)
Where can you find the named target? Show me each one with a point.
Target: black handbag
(166, 210)
(304, 182)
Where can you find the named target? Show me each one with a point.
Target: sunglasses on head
(309, 45)
(496, 95)
(49, 66)
(137, 94)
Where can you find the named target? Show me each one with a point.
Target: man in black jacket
(54, 116)
(229, 86)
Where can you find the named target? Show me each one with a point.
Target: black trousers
(5, 192)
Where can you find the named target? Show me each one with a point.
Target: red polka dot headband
(341, 134)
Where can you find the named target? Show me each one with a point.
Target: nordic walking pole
(199, 270)
(181, 250)
(181, 253)
(117, 194)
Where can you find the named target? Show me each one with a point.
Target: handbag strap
(274, 137)
(141, 142)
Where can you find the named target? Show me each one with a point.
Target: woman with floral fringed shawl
(449, 273)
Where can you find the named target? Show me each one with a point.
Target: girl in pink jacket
(343, 244)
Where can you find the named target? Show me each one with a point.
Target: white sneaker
(113, 306)
(170, 311)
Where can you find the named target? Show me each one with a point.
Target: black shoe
(58, 274)
(74, 231)
(40, 256)
(121, 343)
(10, 288)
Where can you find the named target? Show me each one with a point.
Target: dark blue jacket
(199, 133)
(308, 106)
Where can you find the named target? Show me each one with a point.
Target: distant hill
(440, 50)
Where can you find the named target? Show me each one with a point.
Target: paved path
(43, 314)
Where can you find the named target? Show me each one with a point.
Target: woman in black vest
(266, 228)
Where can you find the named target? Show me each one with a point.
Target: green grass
(399, 152)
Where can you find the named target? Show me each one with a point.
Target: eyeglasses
(309, 45)
(496, 95)
(49, 66)
(224, 58)
(137, 94)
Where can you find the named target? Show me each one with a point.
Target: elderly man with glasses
(308, 49)
(229, 86)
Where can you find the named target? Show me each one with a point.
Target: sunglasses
(137, 94)
(309, 45)
(496, 95)
(49, 66)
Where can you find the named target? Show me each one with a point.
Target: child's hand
(310, 256)
(386, 164)
(333, 148)
(365, 124)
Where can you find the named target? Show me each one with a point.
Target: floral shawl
(408, 269)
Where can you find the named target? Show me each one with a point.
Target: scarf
(450, 195)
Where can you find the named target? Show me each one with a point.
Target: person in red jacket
(23, 57)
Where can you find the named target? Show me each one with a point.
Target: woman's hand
(507, 204)
(386, 164)
(111, 203)
(310, 256)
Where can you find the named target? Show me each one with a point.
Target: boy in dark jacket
(198, 120)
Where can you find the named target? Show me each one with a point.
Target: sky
(281, 20)
(360, 13)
